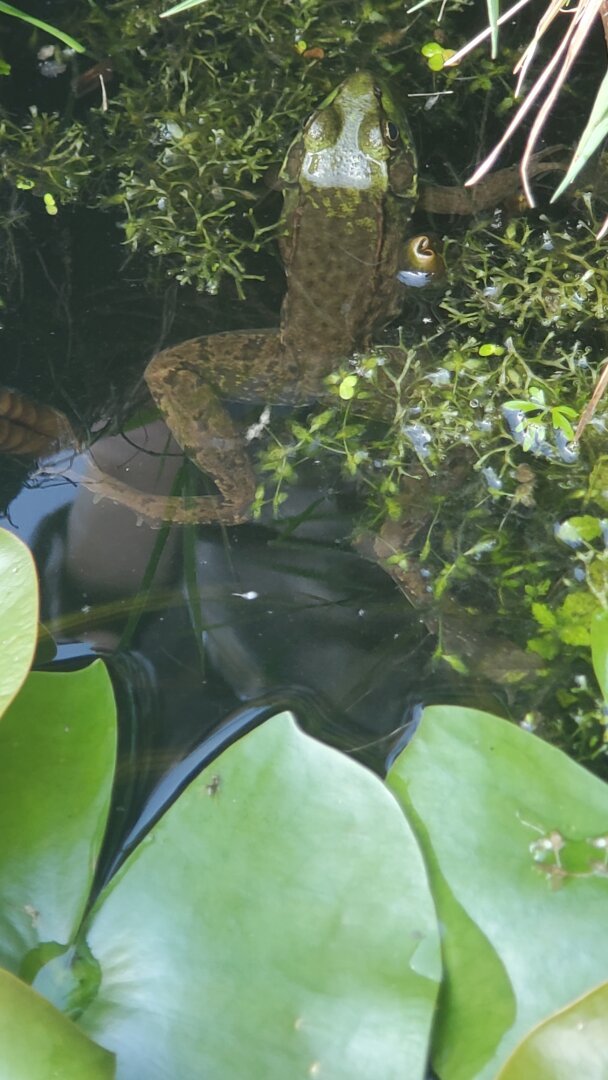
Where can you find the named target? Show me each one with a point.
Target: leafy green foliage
(481, 413)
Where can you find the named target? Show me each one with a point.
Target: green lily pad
(18, 615)
(514, 835)
(57, 751)
(277, 922)
(37, 1042)
(571, 1043)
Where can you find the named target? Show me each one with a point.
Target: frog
(350, 188)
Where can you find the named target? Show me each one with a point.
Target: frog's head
(354, 142)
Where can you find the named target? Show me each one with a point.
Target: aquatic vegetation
(578, 20)
(180, 150)
(484, 407)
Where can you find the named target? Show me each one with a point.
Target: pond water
(206, 629)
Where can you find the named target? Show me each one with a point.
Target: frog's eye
(391, 133)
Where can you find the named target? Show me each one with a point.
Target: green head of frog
(354, 143)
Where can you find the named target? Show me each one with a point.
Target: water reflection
(208, 631)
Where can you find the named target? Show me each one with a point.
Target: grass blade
(8, 9)
(595, 131)
(493, 15)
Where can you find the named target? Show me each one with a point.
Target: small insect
(212, 787)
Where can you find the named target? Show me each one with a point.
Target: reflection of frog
(350, 187)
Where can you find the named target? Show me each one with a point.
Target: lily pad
(276, 922)
(38, 1043)
(514, 837)
(18, 615)
(57, 751)
(573, 1042)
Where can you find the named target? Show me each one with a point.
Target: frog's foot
(30, 429)
(155, 509)
(492, 190)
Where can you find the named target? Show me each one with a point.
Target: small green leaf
(599, 650)
(491, 350)
(347, 387)
(520, 405)
(544, 616)
(561, 423)
(577, 530)
(431, 48)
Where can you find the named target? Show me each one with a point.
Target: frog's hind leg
(188, 383)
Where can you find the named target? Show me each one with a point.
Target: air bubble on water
(492, 479)
(440, 377)
(419, 437)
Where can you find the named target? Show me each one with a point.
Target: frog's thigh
(188, 382)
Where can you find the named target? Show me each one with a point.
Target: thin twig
(466, 49)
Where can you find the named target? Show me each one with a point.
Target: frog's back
(334, 269)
